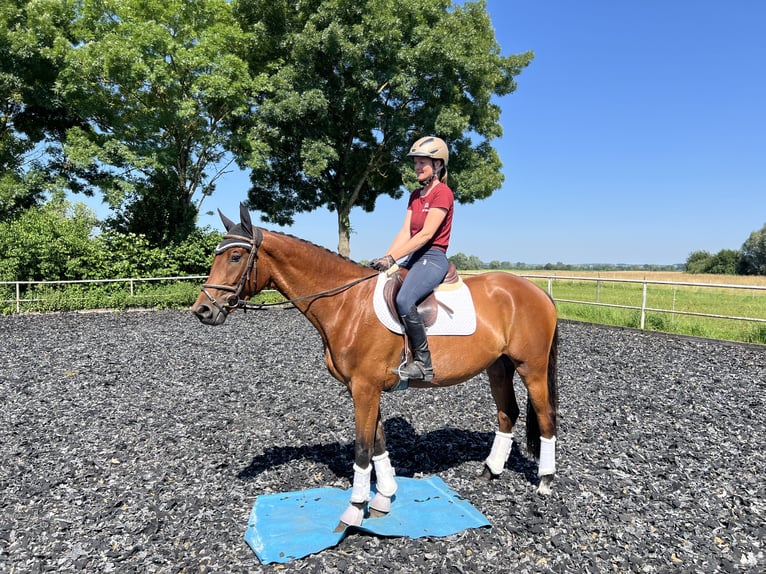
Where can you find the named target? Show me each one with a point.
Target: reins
(235, 301)
(245, 305)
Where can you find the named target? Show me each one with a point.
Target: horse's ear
(227, 223)
(244, 217)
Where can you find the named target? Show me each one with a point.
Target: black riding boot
(420, 368)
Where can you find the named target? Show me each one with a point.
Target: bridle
(235, 300)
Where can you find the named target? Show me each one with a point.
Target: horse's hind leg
(540, 379)
(501, 384)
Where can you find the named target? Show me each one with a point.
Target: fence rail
(645, 283)
(131, 282)
(551, 280)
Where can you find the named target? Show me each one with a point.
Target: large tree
(159, 83)
(32, 112)
(352, 83)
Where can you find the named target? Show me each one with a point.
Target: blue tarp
(284, 527)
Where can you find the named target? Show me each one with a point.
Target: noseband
(252, 244)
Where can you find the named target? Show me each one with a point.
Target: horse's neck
(298, 268)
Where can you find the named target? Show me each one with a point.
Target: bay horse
(516, 332)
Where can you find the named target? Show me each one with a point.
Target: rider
(423, 239)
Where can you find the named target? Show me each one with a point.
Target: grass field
(616, 298)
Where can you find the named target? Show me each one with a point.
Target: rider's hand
(383, 263)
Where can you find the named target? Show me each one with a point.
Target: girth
(428, 308)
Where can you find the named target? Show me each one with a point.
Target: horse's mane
(320, 247)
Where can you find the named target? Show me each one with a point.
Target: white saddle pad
(461, 321)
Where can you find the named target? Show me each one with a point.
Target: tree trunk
(344, 232)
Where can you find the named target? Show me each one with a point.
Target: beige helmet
(430, 146)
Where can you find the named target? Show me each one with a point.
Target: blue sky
(637, 135)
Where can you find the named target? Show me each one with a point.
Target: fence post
(550, 287)
(643, 308)
(673, 315)
(18, 297)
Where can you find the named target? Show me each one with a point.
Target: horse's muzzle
(209, 314)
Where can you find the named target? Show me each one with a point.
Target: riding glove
(383, 263)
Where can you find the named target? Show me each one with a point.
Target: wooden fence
(551, 281)
(644, 308)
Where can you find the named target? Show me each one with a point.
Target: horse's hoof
(375, 513)
(487, 475)
(341, 527)
(545, 484)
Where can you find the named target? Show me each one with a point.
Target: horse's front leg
(385, 484)
(369, 447)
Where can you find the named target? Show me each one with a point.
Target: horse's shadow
(411, 453)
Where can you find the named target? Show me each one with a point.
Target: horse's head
(232, 276)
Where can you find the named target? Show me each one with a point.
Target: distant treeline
(472, 262)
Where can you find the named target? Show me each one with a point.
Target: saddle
(428, 308)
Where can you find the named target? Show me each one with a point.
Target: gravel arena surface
(138, 442)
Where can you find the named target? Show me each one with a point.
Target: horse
(516, 332)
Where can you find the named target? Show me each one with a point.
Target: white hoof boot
(381, 503)
(353, 515)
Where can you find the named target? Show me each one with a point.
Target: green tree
(160, 82)
(352, 83)
(31, 110)
(725, 262)
(460, 261)
(753, 261)
(698, 261)
(48, 242)
(194, 255)
(474, 262)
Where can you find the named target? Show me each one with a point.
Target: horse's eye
(236, 256)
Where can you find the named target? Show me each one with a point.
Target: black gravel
(138, 441)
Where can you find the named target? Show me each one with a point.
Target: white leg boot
(501, 450)
(385, 485)
(360, 494)
(546, 468)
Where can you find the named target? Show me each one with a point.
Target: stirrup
(415, 371)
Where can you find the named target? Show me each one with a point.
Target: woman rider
(423, 239)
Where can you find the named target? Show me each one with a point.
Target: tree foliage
(143, 100)
(57, 241)
(725, 262)
(47, 243)
(753, 260)
(32, 111)
(158, 83)
(352, 83)
(465, 262)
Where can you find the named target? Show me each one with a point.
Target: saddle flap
(429, 307)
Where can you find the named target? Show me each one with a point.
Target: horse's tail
(533, 425)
